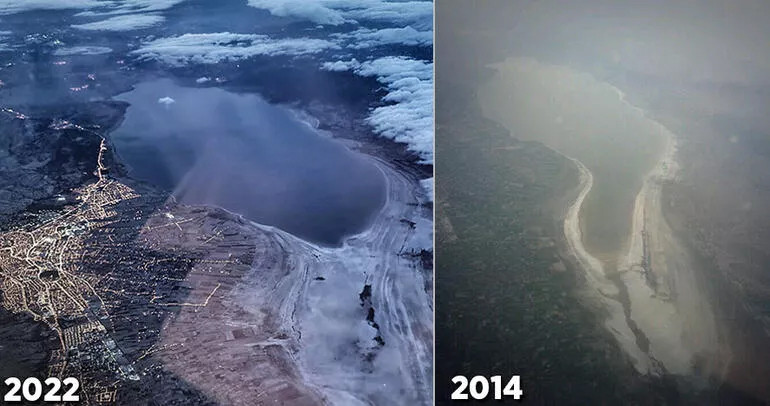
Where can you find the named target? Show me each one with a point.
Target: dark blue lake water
(236, 151)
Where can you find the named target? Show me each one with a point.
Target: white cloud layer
(3, 46)
(166, 101)
(365, 38)
(225, 46)
(409, 119)
(126, 22)
(84, 50)
(334, 12)
(427, 185)
(131, 6)
(17, 6)
(418, 14)
(102, 7)
(315, 11)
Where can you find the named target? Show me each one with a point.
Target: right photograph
(602, 198)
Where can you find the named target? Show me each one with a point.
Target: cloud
(3, 46)
(202, 79)
(217, 47)
(418, 14)
(341, 66)
(310, 10)
(131, 6)
(16, 6)
(334, 12)
(123, 23)
(104, 7)
(409, 117)
(365, 38)
(427, 185)
(85, 50)
(166, 101)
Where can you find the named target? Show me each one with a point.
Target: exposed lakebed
(239, 152)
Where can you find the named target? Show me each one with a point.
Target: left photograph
(216, 202)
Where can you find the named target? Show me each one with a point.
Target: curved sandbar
(667, 301)
(608, 292)
(582, 118)
(657, 307)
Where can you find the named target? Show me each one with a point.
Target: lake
(210, 146)
(585, 119)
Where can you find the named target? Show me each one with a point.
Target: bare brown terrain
(226, 339)
(191, 275)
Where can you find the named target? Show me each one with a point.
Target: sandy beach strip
(663, 303)
(599, 285)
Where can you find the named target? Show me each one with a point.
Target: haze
(661, 107)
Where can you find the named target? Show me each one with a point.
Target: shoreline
(667, 300)
(372, 257)
(600, 286)
(658, 313)
(328, 341)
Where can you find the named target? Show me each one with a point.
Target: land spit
(657, 307)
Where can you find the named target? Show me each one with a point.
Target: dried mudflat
(291, 327)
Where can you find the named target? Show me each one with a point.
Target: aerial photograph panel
(216, 202)
(602, 219)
